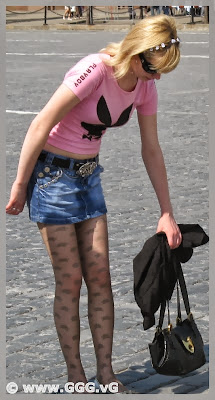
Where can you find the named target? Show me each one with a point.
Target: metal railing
(90, 14)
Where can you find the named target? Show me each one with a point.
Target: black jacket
(154, 273)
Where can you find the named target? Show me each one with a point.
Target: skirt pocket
(47, 175)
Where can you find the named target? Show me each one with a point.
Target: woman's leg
(61, 244)
(93, 248)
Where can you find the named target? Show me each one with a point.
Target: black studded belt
(82, 167)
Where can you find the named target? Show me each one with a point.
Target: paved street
(36, 64)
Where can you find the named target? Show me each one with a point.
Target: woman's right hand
(17, 199)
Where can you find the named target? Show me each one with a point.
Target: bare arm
(58, 106)
(154, 162)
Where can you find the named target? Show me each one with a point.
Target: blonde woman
(59, 175)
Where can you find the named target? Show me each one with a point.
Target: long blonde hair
(145, 35)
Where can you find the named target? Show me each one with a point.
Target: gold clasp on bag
(188, 344)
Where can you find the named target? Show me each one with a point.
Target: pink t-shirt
(103, 105)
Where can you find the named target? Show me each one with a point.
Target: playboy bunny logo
(95, 131)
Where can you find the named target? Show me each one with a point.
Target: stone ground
(36, 63)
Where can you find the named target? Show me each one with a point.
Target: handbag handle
(163, 309)
(179, 282)
(178, 302)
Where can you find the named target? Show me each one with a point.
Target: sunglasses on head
(146, 65)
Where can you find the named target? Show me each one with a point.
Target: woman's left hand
(168, 225)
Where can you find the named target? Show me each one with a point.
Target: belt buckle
(87, 169)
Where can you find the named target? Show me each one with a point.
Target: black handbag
(177, 350)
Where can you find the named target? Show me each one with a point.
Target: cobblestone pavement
(36, 63)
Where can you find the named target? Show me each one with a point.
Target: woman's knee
(99, 279)
(69, 284)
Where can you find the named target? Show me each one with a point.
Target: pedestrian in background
(182, 10)
(165, 10)
(131, 12)
(67, 12)
(171, 11)
(59, 176)
(143, 12)
(79, 11)
(73, 11)
(155, 9)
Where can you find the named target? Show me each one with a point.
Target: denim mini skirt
(58, 195)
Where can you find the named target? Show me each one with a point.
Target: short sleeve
(85, 77)
(148, 101)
